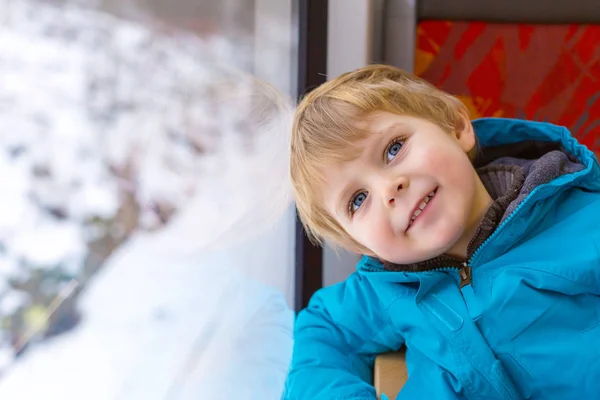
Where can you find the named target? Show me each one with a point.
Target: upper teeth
(419, 210)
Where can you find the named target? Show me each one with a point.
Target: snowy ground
(94, 110)
(190, 329)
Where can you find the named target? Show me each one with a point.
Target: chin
(401, 257)
(446, 237)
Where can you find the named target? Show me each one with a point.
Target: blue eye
(357, 201)
(393, 150)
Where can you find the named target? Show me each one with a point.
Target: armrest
(390, 373)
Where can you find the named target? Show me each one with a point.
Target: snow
(45, 129)
(6, 356)
(11, 301)
(49, 244)
(192, 328)
(96, 112)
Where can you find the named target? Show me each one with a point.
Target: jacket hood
(498, 132)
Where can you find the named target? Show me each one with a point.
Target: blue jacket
(528, 325)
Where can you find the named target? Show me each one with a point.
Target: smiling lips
(420, 207)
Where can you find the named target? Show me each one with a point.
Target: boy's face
(412, 194)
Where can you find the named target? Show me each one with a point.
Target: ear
(464, 132)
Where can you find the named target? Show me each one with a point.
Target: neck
(481, 204)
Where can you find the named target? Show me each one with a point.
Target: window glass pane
(146, 230)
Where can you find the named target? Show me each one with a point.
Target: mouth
(420, 207)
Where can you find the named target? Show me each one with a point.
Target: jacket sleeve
(336, 339)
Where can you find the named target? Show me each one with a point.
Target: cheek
(428, 161)
(449, 165)
(372, 231)
(433, 160)
(442, 159)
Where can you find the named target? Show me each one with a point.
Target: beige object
(390, 373)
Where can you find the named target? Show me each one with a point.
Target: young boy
(481, 244)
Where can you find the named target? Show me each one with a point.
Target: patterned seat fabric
(540, 72)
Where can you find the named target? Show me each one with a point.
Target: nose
(392, 189)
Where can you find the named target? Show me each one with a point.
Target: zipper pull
(466, 289)
(465, 275)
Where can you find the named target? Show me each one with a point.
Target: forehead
(375, 126)
(377, 121)
(381, 122)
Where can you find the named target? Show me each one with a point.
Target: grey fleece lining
(538, 172)
(503, 182)
(509, 181)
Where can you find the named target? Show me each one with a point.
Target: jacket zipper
(465, 275)
(465, 271)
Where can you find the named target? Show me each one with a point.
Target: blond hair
(326, 130)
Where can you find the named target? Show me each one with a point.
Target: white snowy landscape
(147, 169)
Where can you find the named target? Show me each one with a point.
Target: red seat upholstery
(540, 72)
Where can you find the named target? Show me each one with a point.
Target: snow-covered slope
(159, 327)
(95, 110)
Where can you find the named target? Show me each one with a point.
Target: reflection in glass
(144, 193)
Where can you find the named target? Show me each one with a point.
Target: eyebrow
(392, 128)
